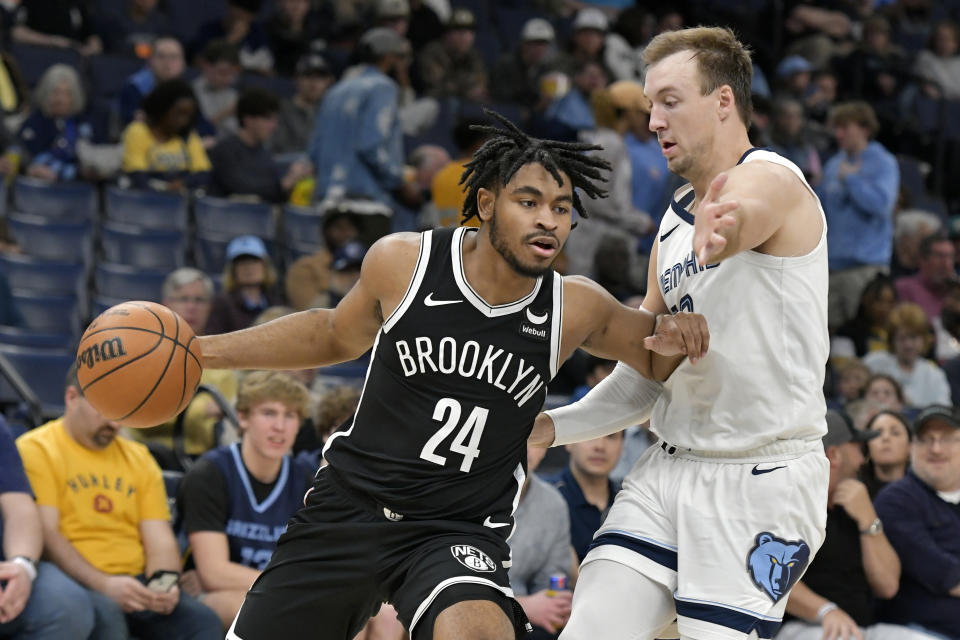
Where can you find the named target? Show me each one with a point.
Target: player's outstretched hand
(711, 217)
(837, 625)
(685, 333)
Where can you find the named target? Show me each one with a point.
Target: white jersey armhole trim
(423, 259)
(450, 582)
(556, 324)
(366, 378)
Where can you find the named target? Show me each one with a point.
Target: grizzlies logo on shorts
(776, 564)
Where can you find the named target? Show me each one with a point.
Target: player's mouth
(544, 246)
(666, 148)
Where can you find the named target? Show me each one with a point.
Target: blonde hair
(334, 407)
(911, 318)
(269, 274)
(721, 60)
(273, 386)
(604, 111)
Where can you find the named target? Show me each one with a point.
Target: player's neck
(596, 489)
(727, 151)
(260, 467)
(489, 274)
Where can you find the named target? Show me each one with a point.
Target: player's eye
(561, 210)
(528, 203)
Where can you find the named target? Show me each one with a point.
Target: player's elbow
(887, 588)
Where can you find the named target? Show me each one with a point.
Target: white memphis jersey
(761, 381)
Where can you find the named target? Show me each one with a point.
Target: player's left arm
(755, 206)
(595, 320)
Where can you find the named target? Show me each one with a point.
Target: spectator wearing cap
(593, 41)
(518, 72)
(921, 516)
(290, 29)
(241, 163)
(451, 66)
(888, 454)
(345, 270)
(858, 194)
(166, 62)
(357, 144)
(308, 279)
(793, 76)
(216, 86)
(910, 337)
(298, 114)
(928, 287)
(240, 28)
(856, 563)
(248, 286)
(133, 30)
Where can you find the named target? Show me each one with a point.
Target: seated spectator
(947, 327)
(50, 134)
(586, 486)
(858, 193)
(345, 270)
(876, 70)
(929, 287)
(165, 63)
(790, 138)
(446, 191)
(923, 381)
(14, 93)
(884, 391)
(910, 228)
(334, 410)
(939, 63)
(106, 523)
(867, 330)
(298, 114)
(416, 20)
(451, 66)
(248, 286)
(56, 23)
(189, 292)
(540, 548)
(888, 454)
(822, 98)
(240, 28)
(135, 31)
(794, 74)
(290, 30)
(215, 87)
(572, 113)
(164, 152)
(518, 72)
(308, 279)
(851, 383)
(38, 600)
(233, 492)
(241, 163)
(856, 563)
(592, 41)
(920, 516)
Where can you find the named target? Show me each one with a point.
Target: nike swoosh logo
(667, 234)
(755, 471)
(430, 302)
(494, 525)
(536, 319)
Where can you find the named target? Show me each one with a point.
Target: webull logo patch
(107, 350)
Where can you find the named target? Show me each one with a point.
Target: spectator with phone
(236, 499)
(105, 521)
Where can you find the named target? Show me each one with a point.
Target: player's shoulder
(770, 174)
(579, 292)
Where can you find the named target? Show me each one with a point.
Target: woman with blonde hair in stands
(910, 337)
(249, 286)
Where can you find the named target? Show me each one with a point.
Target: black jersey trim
(449, 582)
(423, 259)
(556, 325)
(491, 311)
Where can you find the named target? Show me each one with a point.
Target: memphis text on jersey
(670, 278)
(497, 367)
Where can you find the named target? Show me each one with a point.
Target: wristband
(28, 564)
(825, 609)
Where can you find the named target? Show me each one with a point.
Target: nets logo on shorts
(776, 564)
(472, 558)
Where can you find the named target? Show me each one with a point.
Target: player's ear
(486, 200)
(726, 103)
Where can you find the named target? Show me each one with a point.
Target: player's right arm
(319, 337)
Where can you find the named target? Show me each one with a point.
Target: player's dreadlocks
(508, 149)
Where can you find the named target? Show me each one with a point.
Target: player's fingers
(657, 344)
(690, 346)
(705, 334)
(692, 330)
(726, 221)
(716, 185)
(719, 210)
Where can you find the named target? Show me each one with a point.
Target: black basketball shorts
(341, 557)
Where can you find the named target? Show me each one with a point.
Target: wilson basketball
(139, 364)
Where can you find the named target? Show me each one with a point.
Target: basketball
(139, 364)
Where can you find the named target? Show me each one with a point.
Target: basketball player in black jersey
(467, 328)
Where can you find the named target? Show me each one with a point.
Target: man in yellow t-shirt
(103, 509)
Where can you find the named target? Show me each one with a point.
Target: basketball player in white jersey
(718, 521)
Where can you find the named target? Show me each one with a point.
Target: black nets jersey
(451, 394)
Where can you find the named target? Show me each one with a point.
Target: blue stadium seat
(42, 276)
(209, 252)
(17, 337)
(219, 216)
(108, 73)
(147, 209)
(51, 240)
(143, 248)
(128, 283)
(304, 227)
(34, 60)
(44, 371)
(44, 313)
(277, 85)
(63, 201)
